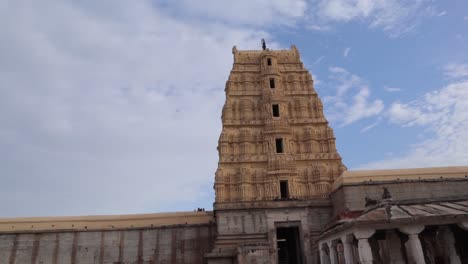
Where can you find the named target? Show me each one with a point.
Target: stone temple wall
(352, 188)
(181, 243)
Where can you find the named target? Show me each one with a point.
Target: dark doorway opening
(289, 249)
(284, 189)
(272, 83)
(275, 109)
(279, 145)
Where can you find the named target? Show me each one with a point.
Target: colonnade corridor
(418, 244)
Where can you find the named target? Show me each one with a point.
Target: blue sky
(101, 101)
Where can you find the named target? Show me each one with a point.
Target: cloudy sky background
(111, 107)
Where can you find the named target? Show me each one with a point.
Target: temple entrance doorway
(289, 245)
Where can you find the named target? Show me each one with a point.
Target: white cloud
(346, 52)
(444, 113)
(443, 13)
(100, 104)
(392, 89)
(317, 61)
(395, 17)
(242, 12)
(343, 10)
(351, 101)
(321, 28)
(369, 127)
(456, 70)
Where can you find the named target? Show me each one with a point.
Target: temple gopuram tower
(277, 162)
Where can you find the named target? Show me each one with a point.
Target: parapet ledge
(103, 222)
(366, 176)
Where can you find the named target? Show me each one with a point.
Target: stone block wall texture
(178, 244)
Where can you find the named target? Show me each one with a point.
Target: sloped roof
(420, 211)
(390, 214)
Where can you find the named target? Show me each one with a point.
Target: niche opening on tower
(284, 189)
(279, 145)
(272, 83)
(275, 109)
(269, 61)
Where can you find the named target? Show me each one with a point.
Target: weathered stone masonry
(153, 239)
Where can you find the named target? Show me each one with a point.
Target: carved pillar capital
(411, 229)
(361, 233)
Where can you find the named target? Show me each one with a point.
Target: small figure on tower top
(263, 44)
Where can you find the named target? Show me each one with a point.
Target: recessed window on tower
(279, 145)
(268, 61)
(284, 189)
(272, 83)
(276, 111)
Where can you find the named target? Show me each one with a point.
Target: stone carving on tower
(275, 141)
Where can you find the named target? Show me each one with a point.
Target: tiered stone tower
(277, 155)
(274, 132)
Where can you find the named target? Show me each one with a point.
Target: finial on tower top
(263, 44)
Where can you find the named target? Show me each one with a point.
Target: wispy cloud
(456, 70)
(444, 113)
(394, 17)
(241, 12)
(392, 89)
(443, 13)
(318, 60)
(351, 100)
(322, 28)
(346, 52)
(369, 127)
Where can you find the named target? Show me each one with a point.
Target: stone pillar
(364, 248)
(323, 255)
(449, 245)
(414, 247)
(348, 249)
(332, 252)
(394, 247)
